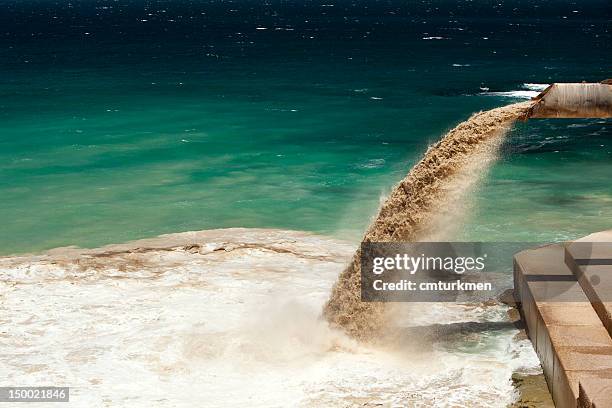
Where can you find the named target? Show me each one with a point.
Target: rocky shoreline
(533, 391)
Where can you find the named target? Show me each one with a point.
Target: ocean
(128, 119)
(122, 120)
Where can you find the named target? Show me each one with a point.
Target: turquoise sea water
(121, 120)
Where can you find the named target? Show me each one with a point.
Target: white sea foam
(535, 87)
(530, 90)
(372, 164)
(514, 94)
(232, 321)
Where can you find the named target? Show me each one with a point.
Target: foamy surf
(228, 318)
(535, 87)
(514, 94)
(529, 91)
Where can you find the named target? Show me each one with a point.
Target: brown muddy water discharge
(425, 206)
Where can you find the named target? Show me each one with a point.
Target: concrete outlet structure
(565, 296)
(574, 100)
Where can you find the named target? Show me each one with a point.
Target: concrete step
(595, 392)
(567, 333)
(591, 263)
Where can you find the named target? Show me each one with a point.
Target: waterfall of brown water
(420, 205)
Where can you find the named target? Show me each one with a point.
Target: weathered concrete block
(579, 336)
(558, 299)
(580, 358)
(544, 349)
(568, 313)
(591, 262)
(595, 390)
(563, 393)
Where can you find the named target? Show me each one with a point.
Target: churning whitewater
(232, 318)
(424, 206)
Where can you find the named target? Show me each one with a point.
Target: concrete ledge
(595, 391)
(591, 263)
(574, 346)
